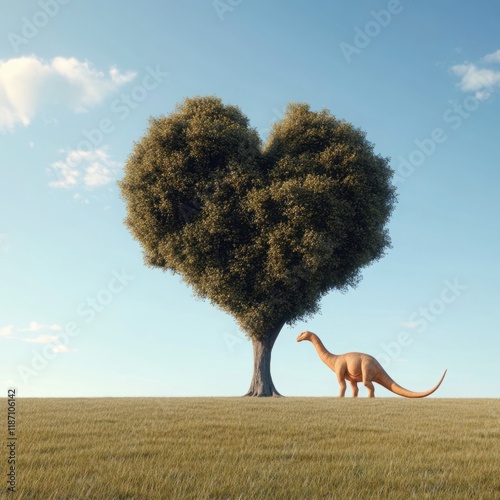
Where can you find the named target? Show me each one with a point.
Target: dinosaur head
(305, 336)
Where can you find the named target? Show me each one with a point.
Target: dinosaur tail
(389, 384)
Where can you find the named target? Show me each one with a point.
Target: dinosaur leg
(342, 384)
(371, 390)
(354, 386)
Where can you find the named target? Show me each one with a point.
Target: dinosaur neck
(326, 356)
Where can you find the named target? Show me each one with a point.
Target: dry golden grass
(244, 448)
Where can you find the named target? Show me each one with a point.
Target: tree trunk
(262, 383)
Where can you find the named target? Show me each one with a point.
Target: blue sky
(80, 315)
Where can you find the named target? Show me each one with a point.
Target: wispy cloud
(62, 348)
(50, 339)
(34, 326)
(88, 168)
(29, 84)
(494, 57)
(482, 81)
(409, 324)
(47, 334)
(6, 331)
(43, 339)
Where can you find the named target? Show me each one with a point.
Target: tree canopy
(262, 231)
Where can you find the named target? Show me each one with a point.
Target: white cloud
(409, 324)
(494, 57)
(90, 168)
(47, 335)
(50, 339)
(481, 81)
(62, 348)
(36, 327)
(43, 339)
(28, 84)
(33, 327)
(6, 331)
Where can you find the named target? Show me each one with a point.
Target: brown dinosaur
(358, 367)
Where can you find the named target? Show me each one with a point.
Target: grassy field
(245, 448)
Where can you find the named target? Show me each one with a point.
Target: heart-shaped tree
(263, 232)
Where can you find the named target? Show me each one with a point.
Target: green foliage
(262, 231)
